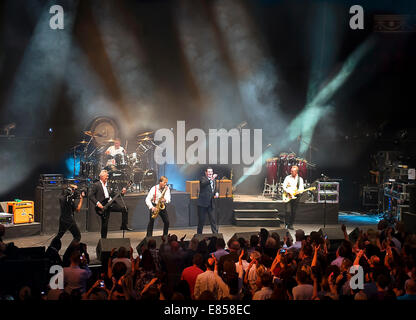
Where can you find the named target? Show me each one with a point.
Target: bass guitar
(107, 203)
(287, 196)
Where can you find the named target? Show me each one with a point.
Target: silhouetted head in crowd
(299, 235)
(202, 248)
(197, 260)
(220, 244)
(316, 238)
(119, 270)
(151, 244)
(242, 242)
(173, 237)
(276, 237)
(264, 234)
(147, 262)
(193, 244)
(267, 279)
(234, 246)
(302, 277)
(122, 253)
(75, 258)
(254, 241)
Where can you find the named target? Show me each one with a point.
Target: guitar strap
(297, 184)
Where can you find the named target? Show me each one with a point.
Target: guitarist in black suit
(208, 190)
(100, 194)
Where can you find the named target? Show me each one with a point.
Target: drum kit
(122, 167)
(278, 168)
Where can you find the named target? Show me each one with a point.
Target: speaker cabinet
(48, 210)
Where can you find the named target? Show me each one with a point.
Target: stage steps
(257, 217)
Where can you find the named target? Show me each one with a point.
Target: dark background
(373, 109)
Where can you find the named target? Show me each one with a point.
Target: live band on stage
(129, 187)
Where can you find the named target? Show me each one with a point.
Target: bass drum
(149, 179)
(118, 179)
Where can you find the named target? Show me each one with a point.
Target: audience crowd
(264, 267)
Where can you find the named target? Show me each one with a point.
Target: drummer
(115, 150)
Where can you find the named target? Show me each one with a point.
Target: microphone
(242, 125)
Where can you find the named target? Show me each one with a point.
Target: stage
(240, 210)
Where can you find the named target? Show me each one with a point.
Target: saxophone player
(152, 199)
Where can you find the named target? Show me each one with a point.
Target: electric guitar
(287, 196)
(107, 204)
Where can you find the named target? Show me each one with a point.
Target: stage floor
(91, 238)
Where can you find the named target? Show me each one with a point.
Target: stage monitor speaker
(203, 236)
(105, 246)
(409, 221)
(145, 241)
(245, 235)
(335, 236)
(356, 232)
(282, 232)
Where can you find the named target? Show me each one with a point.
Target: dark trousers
(165, 218)
(115, 207)
(290, 214)
(202, 213)
(65, 225)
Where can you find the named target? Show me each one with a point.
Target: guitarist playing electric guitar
(100, 194)
(293, 183)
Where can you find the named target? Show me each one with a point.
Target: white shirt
(211, 281)
(151, 196)
(106, 194)
(113, 151)
(290, 184)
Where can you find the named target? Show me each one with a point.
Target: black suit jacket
(97, 193)
(205, 192)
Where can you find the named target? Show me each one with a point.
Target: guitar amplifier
(23, 211)
(50, 180)
(328, 197)
(225, 188)
(192, 187)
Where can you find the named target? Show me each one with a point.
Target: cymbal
(109, 141)
(145, 133)
(89, 133)
(145, 139)
(83, 142)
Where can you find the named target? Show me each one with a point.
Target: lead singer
(208, 190)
